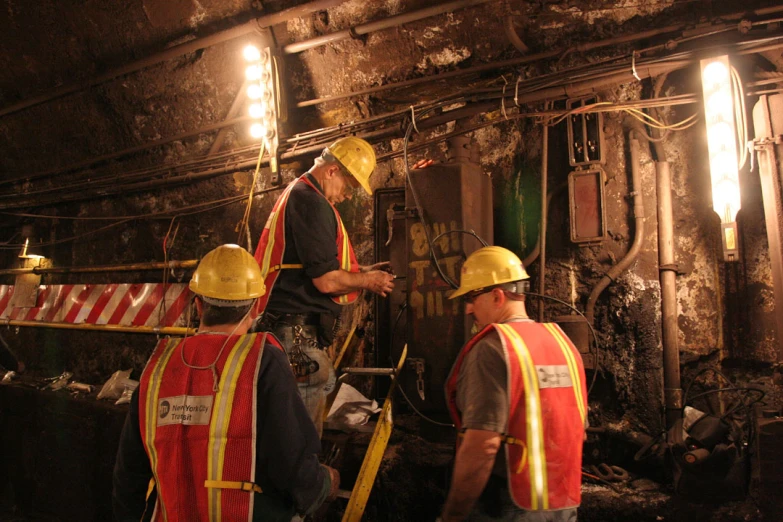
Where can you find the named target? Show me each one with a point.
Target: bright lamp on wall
(719, 109)
(262, 92)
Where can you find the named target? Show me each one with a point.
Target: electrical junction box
(585, 133)
(586, 205)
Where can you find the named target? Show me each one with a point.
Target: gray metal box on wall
(454, 196)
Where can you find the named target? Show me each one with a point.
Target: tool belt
(273, 320)
(299, 333)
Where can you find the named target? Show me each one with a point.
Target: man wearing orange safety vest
(517, 385)
(309, 265)
(216, 430)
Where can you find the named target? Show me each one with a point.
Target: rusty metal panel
(768, 464)
(390, 245)
(575, 327)
(454, 196)
(586, 205)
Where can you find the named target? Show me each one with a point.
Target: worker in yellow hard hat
(310, 268)
(214, 417)
(516, 383)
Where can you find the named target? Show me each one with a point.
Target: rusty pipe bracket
(673, 398)
(674, 267)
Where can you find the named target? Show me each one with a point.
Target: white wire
(742, 121)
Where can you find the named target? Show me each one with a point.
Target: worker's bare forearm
(472, 467)
(340, 282)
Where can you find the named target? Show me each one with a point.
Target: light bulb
(258, 130)
(255, 91)
(719, 106)
(721, 136)
(256, 110)
(253, 73)
(726, 199)
(251, 53)
(724, 164)
(715, 73)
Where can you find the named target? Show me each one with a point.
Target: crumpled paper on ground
(351, 407)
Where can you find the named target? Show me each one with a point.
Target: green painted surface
(517, 209)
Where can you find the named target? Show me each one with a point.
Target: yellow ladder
(372, 459)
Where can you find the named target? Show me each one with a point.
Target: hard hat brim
(459, 292)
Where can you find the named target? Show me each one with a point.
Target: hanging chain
(301, 363)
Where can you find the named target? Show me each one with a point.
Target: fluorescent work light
(719, 110)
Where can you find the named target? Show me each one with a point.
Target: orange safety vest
(271, 247)
(202, 444)
(547, 399)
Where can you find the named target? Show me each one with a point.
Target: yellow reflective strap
(226, 484)
(535, 430)
(221, 416)
(573, 367)
(266, 260)
(151, 411)
(150, 489)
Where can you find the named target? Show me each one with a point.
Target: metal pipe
(533, 255)
(174, 52)
(513, 36)
(379, 25)
(190, 263)
(369, 371)
(543, 224)
(668, 274)
(667, 269)
(638, 238)
(768, 124)
(166, 330)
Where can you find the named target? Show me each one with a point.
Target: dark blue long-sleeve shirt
(287, 448)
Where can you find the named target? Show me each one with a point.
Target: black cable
(468, 232)
(399, 384)
(733, 389)
(419, 207)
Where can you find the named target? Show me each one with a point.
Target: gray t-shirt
(481, 390)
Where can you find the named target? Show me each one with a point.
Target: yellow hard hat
(357, 156)
(228, 273)
(489, 266)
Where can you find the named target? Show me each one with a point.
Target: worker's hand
(379, 282)
(422, 164)
(335, 476)
(384, 266)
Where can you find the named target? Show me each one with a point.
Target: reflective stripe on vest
(151, 408)
(221, 415)
(543, 449)
(210, 441)
(536, 454)
(573, 368)
(271, 247)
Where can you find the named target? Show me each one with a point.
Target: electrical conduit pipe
(638, 211)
